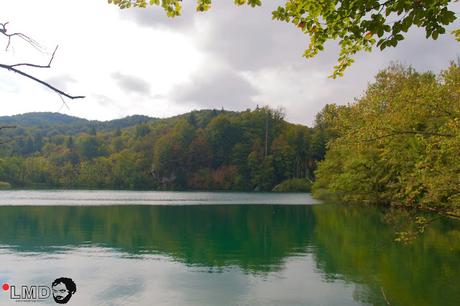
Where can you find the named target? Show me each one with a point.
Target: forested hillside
(52, 124)
(399, 144)
(201, 150)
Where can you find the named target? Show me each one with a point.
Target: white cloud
(94, 43)
(184, 63)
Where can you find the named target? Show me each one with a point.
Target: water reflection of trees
(354, 244)
(253, 237)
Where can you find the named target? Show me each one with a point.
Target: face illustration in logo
(63, 288)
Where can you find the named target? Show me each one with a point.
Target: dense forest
(202, 150)
(399, 144)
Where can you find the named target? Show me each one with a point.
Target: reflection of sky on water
(230, 254)
(107, 277)
(121, 197)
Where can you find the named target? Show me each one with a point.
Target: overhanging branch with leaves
(355, 24)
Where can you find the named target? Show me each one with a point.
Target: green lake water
(167, 248)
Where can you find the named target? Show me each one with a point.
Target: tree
(225, 151)
(399, 144)
(6, 127)
(357, 25)
(222, 136)
(14, 67)
(90, 147)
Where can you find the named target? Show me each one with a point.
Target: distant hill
(41, 119)
(122, 123)
(50, 124)
(200, 150)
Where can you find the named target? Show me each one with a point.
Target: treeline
(201, 150)
(39, 125)
(399, 144)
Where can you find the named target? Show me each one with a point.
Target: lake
(199, 248)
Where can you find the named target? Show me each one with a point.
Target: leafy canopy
(356, 24)
(399, 144)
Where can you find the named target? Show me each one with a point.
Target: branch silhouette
(14, 67)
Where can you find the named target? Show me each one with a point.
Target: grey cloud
(61, 81)
(131, 84)
(425, 54)
(224, 88)
(155, 17)
(103, 100)
(416, 51)
(247, 39)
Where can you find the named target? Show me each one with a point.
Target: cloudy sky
(138, 61)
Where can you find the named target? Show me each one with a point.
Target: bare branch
(3, 29)
(26, 38)
(36, 45)
(10, 68)
(52, 55)
(63, 103)
(38, 66)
